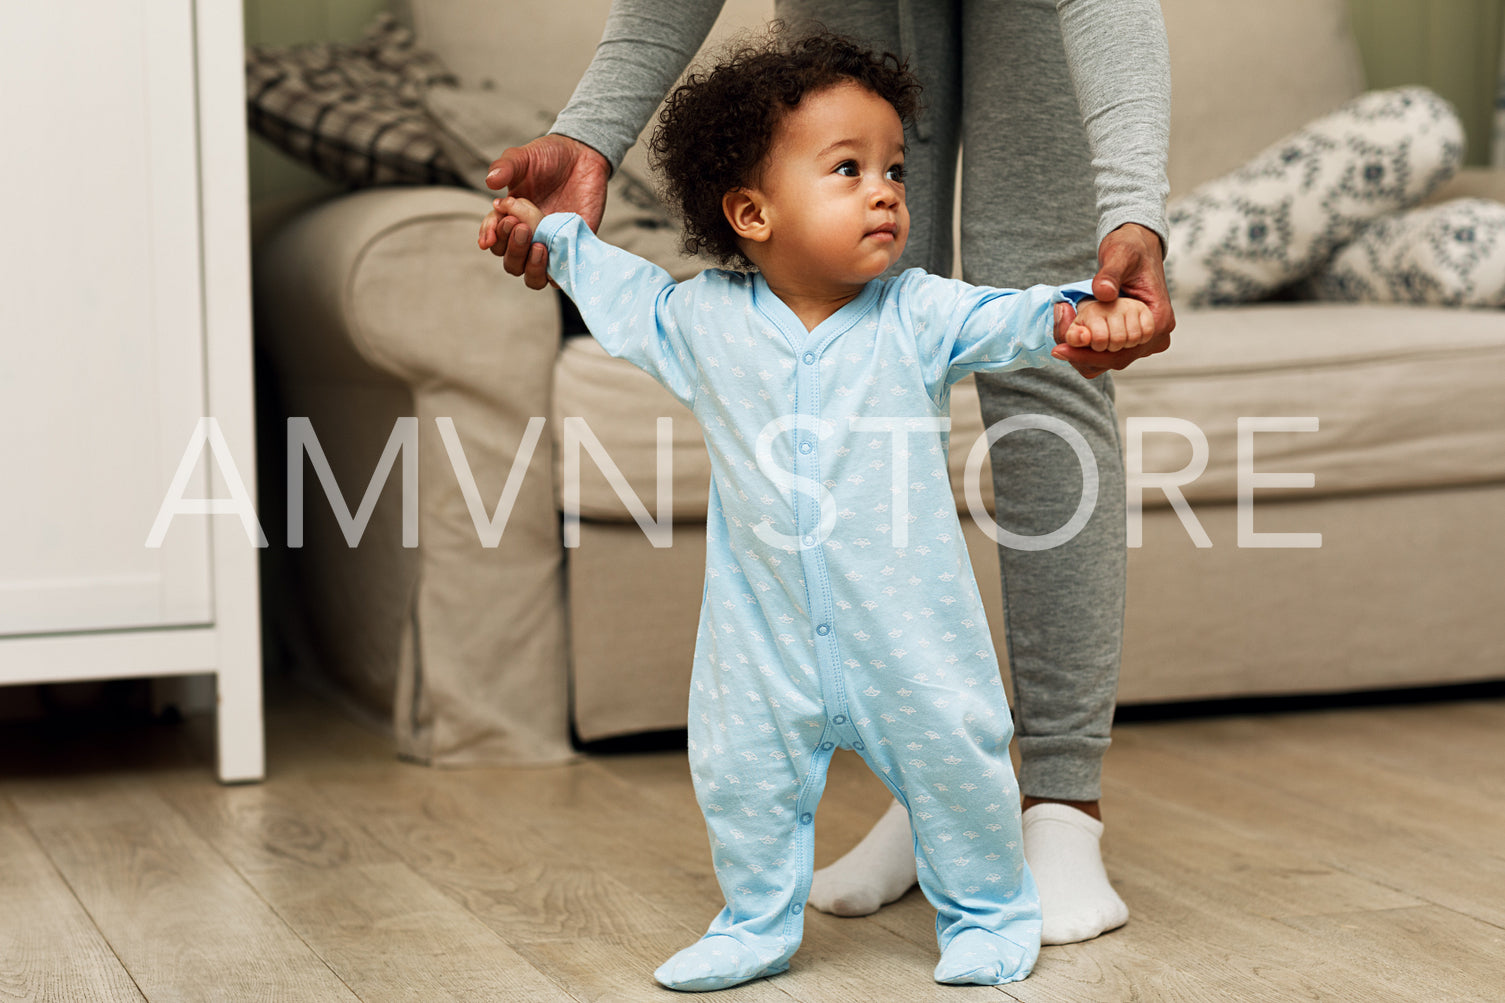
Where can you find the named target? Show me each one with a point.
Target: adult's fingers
(525, 258)
(508, 169)
(1131, 264)
(501, 236)
(1118, 260)
(536, 275)
(515, 255)
(1085, 358)
(1106, 283)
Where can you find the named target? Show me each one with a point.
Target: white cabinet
(125, 319)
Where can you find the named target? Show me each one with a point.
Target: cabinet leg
(241, 750)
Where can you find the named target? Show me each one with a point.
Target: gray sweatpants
(996, 80)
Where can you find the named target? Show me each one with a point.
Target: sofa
(463, 620)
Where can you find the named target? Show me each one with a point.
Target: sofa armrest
(377, 306)
(391, 278)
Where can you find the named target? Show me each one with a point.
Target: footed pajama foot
(977, 957)
(714, 962)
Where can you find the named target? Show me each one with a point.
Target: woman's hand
(556, 174)
(1131, 262)
(512, 222)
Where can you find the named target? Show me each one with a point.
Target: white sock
(873, 873)
(1061, 845)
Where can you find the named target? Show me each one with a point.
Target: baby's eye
(896, 173)
(848, 169)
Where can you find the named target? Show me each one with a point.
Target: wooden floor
(1333, 855)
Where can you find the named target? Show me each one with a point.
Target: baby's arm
(960, 328)
(1108, 327)
(634, 308)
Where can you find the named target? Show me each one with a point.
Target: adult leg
(929, 39)
(1027, 185)
(881, 867)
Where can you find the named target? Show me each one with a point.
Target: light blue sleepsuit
(840, 609)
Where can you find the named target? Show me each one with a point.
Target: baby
(840, 609)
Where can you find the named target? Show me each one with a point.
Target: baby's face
(833, 186)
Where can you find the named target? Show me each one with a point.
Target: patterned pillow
(352, 112)
(1451, 254)
(1278, 218)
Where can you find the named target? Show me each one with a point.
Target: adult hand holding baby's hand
(1096, 329)
(509, 216)
(556, 174)
(1131, 263)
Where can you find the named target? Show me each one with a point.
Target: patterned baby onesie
(840, 609)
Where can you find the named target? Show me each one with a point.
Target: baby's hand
(1108, 327)
(510, 219)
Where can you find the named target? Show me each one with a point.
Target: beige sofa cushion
(1405, 397)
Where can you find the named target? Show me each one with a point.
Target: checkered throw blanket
(352, 112)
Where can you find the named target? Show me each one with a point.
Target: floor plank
(1339, 855)
(484, 853)
(53, 952)
(1426, 952)
(392, 936)
(1266, 879)
(385, 931)
(1373, 822)
(185, 925)
(1452, 744)
(618, 969)
(654, 812)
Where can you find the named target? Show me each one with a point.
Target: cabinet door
(101, 319)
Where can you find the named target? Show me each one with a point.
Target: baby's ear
(745, 214)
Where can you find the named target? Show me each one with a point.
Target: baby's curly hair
(718, 125)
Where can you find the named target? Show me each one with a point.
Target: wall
(1451, 46)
